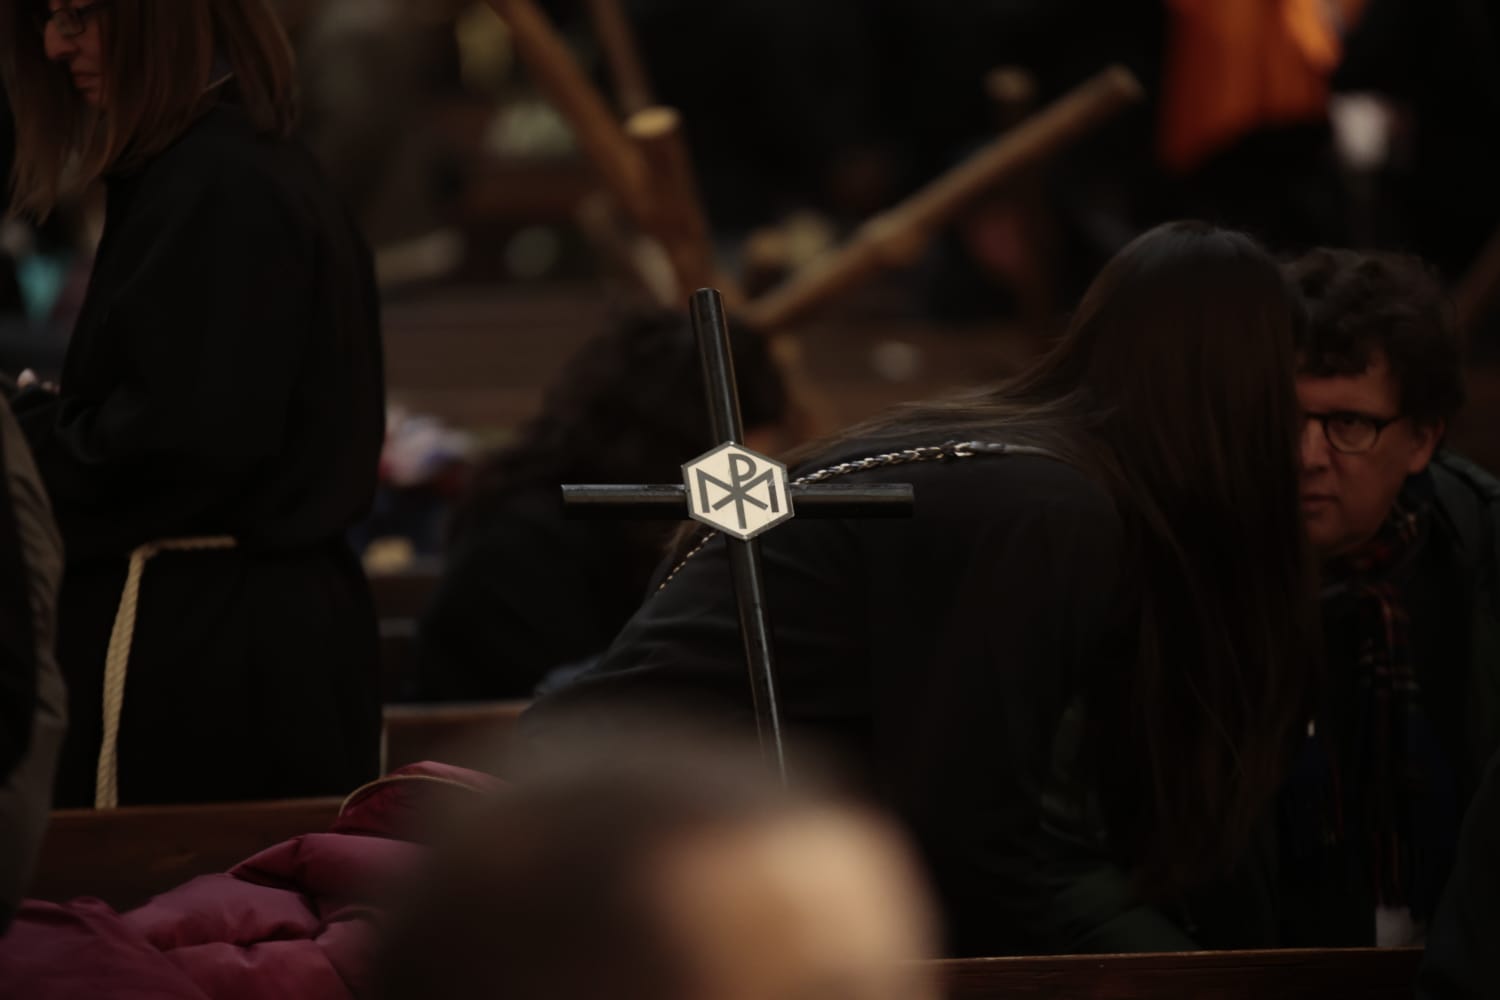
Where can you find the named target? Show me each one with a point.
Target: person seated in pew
(525, 589)
(1076, 670)
(1461, 961)
(1408, 711)
(664, 869)
(32, 698)
(219, 420)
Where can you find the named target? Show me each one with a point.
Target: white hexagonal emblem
(737, 491)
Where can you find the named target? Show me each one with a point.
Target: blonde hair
(158, 62)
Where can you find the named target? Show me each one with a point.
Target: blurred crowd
(1366, 123)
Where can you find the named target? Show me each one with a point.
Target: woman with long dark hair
(1076, 670)
(220, 414)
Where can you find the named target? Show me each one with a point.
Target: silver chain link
(907, 456)
(926, 453)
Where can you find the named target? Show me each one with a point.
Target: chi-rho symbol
(736, 490)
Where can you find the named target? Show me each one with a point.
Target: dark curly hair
(1359, 303)
(629, 406)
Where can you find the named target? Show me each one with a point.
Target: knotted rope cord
(117, 660)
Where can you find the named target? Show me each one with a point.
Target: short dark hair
(627, 407)
(1359, 303)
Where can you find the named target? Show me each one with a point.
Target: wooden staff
(555, 71)
(896, 237)
(623, 56)
(677, 216)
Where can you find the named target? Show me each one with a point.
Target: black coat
(947, 658)
(224, 378)
(529, 590)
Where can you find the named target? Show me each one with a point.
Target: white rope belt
(116, 662)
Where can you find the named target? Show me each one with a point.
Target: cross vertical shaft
(748, 575)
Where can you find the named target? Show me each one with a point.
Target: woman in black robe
(220, 414)
(1076, 671)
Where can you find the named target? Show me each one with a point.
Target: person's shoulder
(1468, 499)
(1016, 490)
(1030, 479)
(1452, 471)
(220, 141)
(222, 159)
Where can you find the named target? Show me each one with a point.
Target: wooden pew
(400, 598)
(469, 734)
(404, 595)
(125, 856)
(1346, 973)
(398, 659)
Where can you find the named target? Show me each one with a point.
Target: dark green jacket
(1468, 504)
(1462, 961)
(31, 559)
(1452, 593)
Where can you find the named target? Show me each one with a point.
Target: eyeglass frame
(1379, 423)
(79, 18)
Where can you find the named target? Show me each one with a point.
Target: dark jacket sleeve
(1468, 500)
(34, 709)
(1462, 961)
(208, 310)
(517, 599)
(18, 644)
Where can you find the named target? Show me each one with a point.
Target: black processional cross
(742, 494)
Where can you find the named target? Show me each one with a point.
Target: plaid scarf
(1390, 807)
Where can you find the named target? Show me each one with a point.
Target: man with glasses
(1408, 708)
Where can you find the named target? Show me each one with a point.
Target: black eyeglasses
(71, 21)
(1351, 433)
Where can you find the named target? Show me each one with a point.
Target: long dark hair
(159, 61)
(1173, 387)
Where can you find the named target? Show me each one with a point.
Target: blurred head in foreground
(673, 872)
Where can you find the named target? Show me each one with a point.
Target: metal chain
(946, 451)
(926, 453)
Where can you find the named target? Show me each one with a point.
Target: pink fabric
(294, 921)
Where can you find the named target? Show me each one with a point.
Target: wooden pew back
(125, 856)
(469, 734)
(1347, 973)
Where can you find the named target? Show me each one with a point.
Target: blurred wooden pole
(1476, 292)
(556, 73)
(677, 216)
(896, 237)
(645, 164)
(623, 55)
